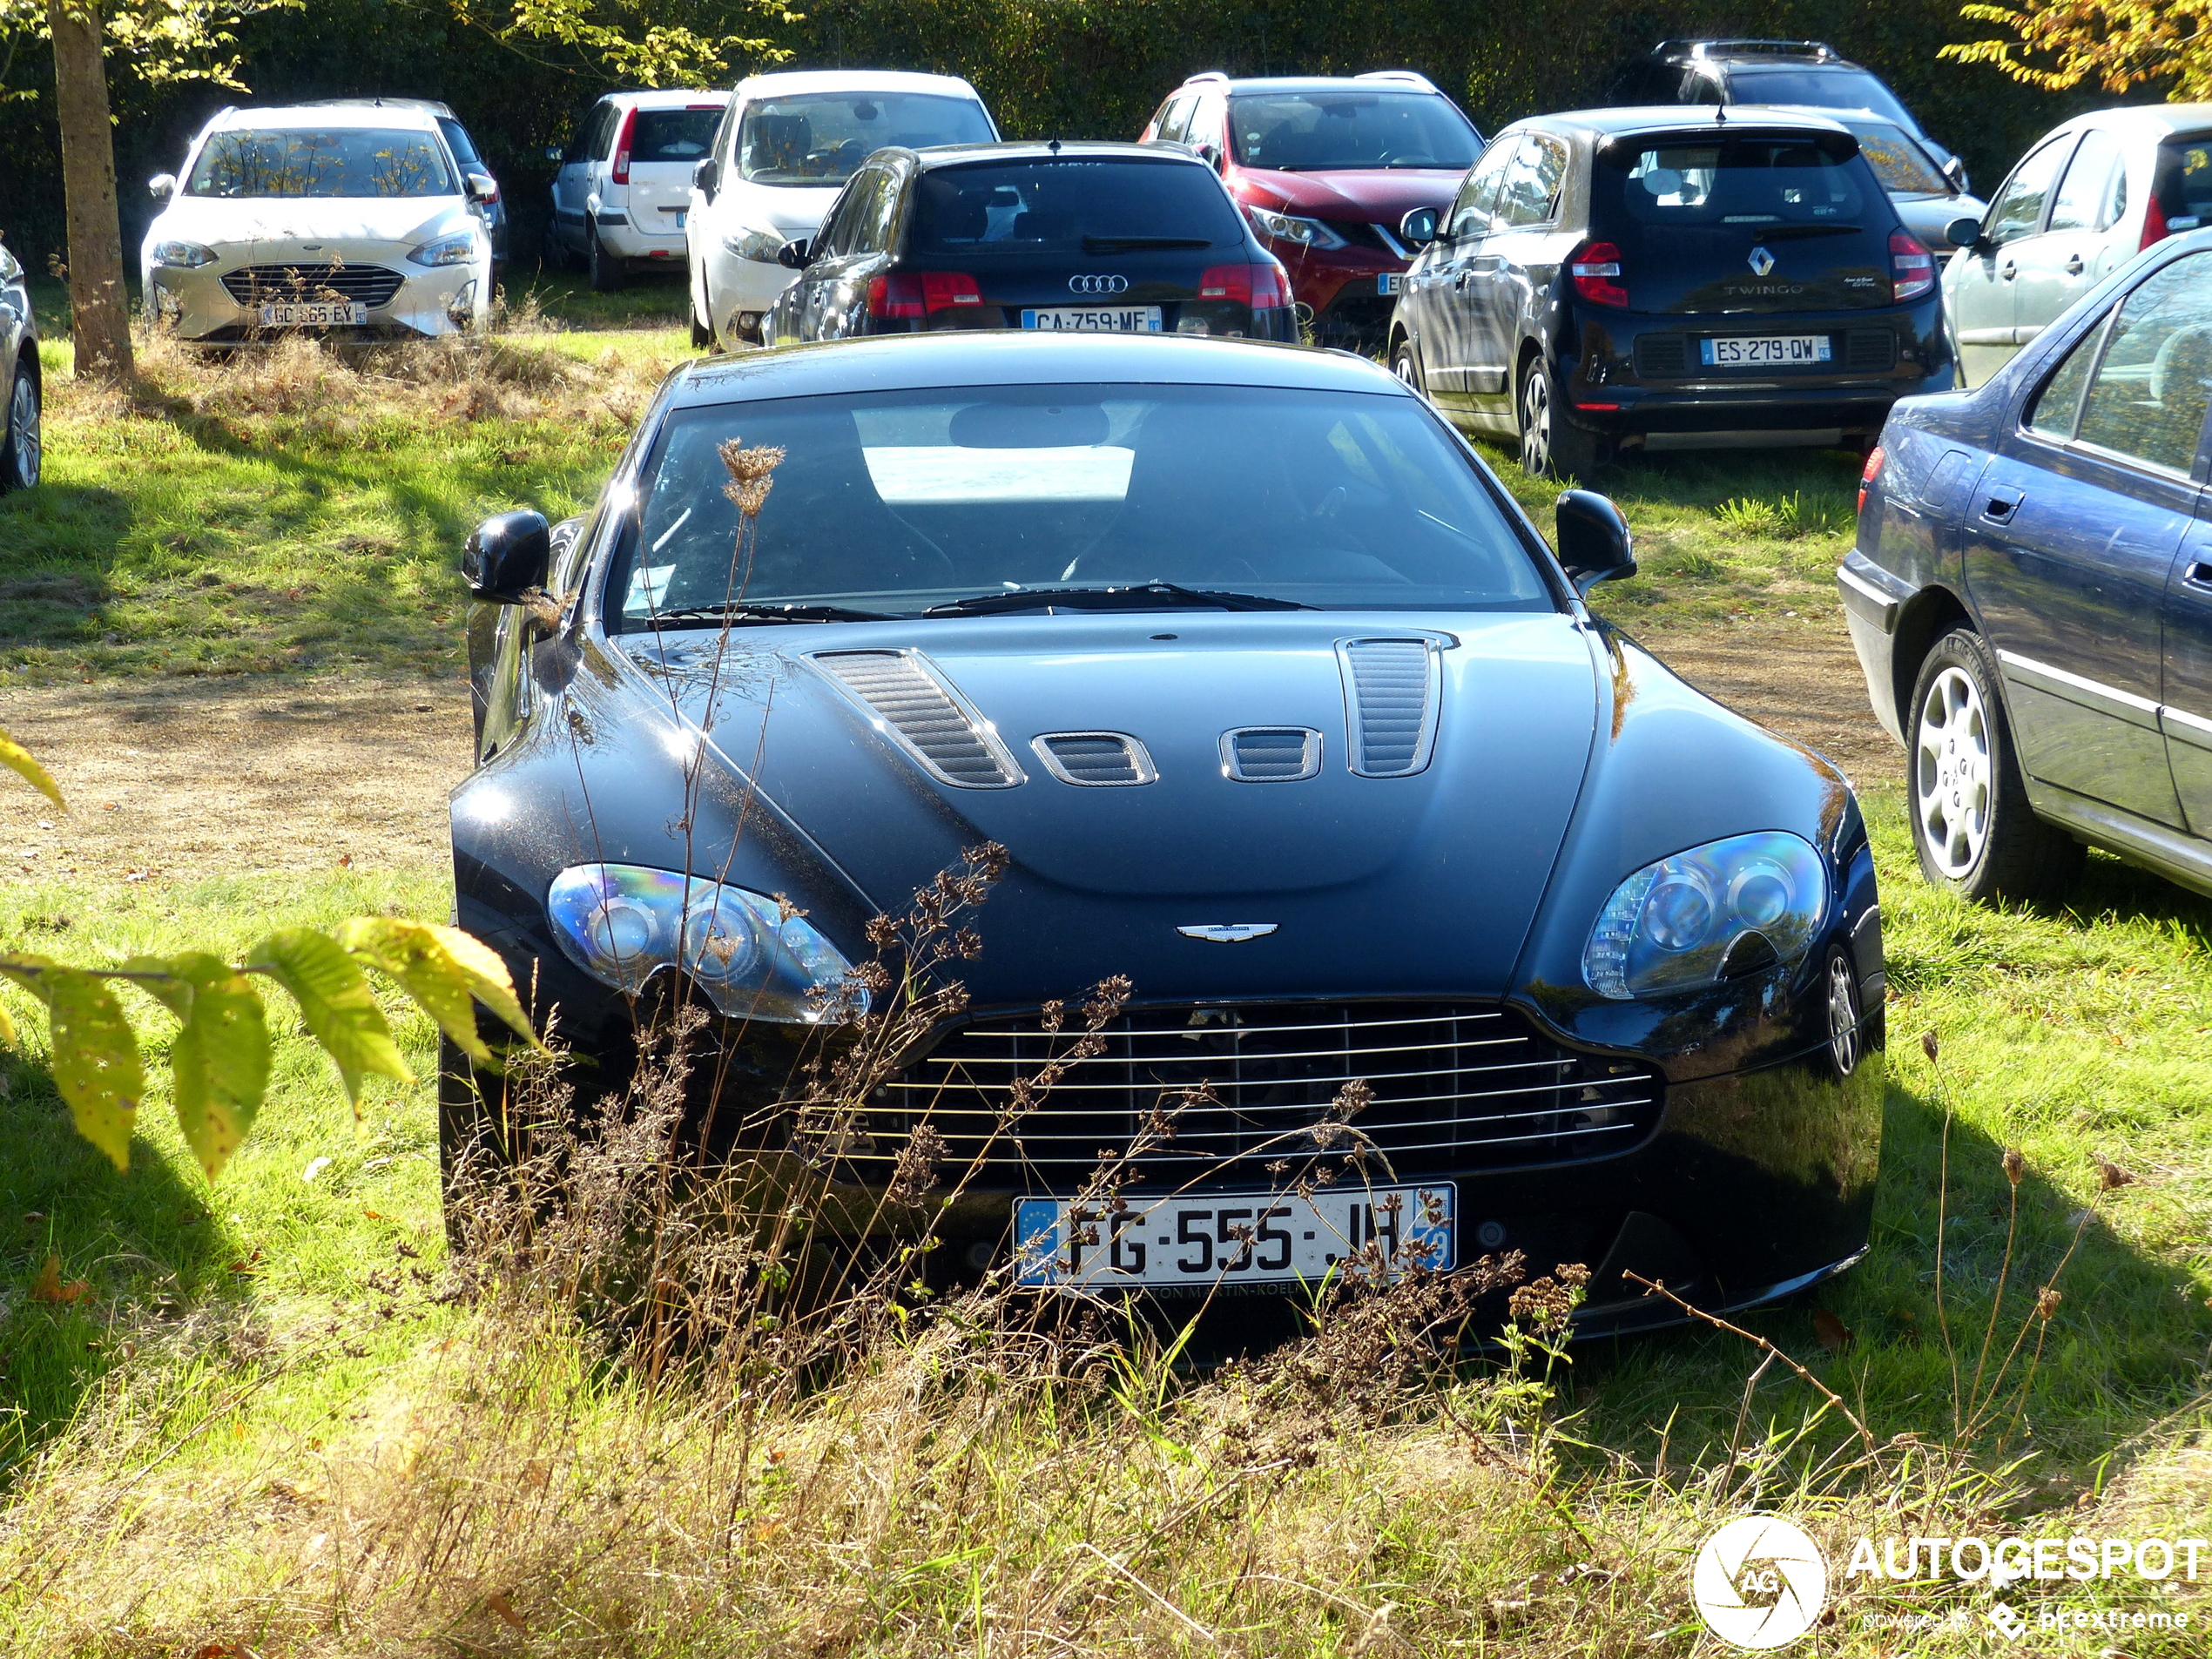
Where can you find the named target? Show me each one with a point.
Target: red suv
(1327, 167)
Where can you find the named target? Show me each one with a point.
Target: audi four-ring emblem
(1098, 285)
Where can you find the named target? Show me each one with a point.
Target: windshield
(897, 501)
(1901, 165)
(1823, 89)
(674, 135)
(1319, 131)
(1752, 182)
(820, 138)
(344, 161)
(1052, 206)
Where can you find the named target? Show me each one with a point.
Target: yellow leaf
(221, 1054)
(7, 1029)
(95, 1053)
(336, 1003)
(18, 759)
(488, 979)
(49, 1287)
(441, 968)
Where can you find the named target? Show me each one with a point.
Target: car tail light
(622, 145)
(1869, 473)
(916, 294)
(1261, 286)
(1911, 266)
(2154, 226)
(1596, 270)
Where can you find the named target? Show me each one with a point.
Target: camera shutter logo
(1098, 285)
(1759, 1582)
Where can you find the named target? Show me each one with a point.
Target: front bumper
(196, 305)
(1342, 290)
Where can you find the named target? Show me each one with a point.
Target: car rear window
(898, 500)
(299, 161)
(821, 139)
(1071, 204)
(674, 135)
(1824, 89)
(1319, 131)
(2184, 188)
(1756, 182)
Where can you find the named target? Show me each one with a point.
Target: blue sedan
(2030, 594)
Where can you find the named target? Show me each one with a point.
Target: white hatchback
(620, 197)
(784, 150)
(352, 221)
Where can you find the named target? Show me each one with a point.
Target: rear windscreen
(1904, 168)
(1823, 89)
(1753, 182)
(673, 135)
(1071, 205)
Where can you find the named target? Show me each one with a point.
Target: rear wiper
(1149, 596)
(1131, 244)
(739, 611)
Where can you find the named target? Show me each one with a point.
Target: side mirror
(1418, 228)
(506, 556)
(553, 152)
(1594, 541)
(1955, 170)
(162, 186)
(706, 178)
(481, 187)
(793, 255)
(1963, 232)
(1211, 154)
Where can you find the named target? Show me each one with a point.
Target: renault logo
(1230, 933)
(1761, 261)
(1098, 285)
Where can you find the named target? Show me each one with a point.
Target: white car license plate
(1228, 1239)
(1137, 319)
(1391, 282)
(313, 314)
(1764, 351)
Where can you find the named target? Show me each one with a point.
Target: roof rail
(1205, 76)
(1814, 48)
(1403, 77)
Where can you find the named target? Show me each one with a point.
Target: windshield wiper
(1132, 244)
(739, 611)
(1149, 596)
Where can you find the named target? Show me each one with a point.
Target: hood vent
(918, 708)
(1093, 759)
(1271, 754)
(1391, 696)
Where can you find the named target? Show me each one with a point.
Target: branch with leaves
(2116, 45)
(220, 1055)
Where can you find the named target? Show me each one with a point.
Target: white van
(785, 148)
(624, 185)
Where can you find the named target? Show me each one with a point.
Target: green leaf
(95, 1052)
(18, 759)
(336, 1002)
(221, 1054)
(441, 968)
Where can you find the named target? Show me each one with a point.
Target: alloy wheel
(1535, 425)
(23, 430)
(1952, 772)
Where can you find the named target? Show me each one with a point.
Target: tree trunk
(99, 306)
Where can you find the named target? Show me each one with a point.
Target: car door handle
(1460, 282)
(2074, 265)
(2000, 503)
(2010, 271)
(2199, 573)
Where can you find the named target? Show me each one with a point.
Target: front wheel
(22, 447)
(1971, 823)
(702, 334)
(1551, 445)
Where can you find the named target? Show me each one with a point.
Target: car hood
(1388, 876)
(1380, 195)
(218, 221)
(796, 211)
(1929, 217)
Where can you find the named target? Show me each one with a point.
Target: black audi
(1619, 280)
(1057, 238)
(1453, 923)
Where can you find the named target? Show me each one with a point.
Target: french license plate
(1391, 282)
(1134, 319)
(1764, 351)
(313, 314)
(1227, 1238)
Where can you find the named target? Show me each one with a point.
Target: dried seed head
(2015, 1165)
(2110, 1175)
(2046, 1303)
(751, 474)
(1928, 1045)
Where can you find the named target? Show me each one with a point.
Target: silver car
(1922, 187)
(354, 221)
(2087, 199)
(20, 446)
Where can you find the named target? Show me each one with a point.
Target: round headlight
(1671, 927)
(619, 930)
(718, 939)
(1679, 912)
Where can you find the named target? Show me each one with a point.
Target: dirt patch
(182, 777)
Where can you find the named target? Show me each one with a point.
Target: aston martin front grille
(930, 721)
(253, 285)
(1390, 685)
(1257, 1095)
(1271, 754)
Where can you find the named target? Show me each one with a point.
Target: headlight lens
(182, 256)
(762, 245)
(457, 249)
(1284, 227)
(1672, 925)
(623, 923)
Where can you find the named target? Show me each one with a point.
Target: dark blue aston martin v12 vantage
(1280, 708)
